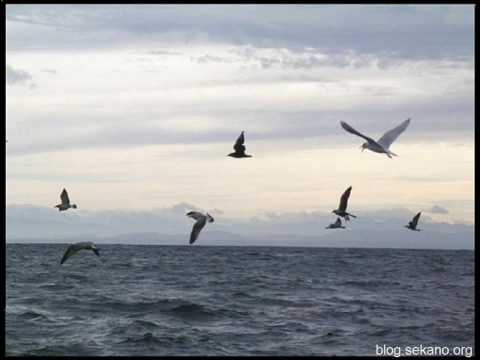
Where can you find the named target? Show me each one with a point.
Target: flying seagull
(239, 148)
(337, 224)
(381, 145)
(342, 207)
(412, 225)
(201, 220)
(65, 202)
(74, 248)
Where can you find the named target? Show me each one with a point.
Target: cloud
(439, 31)
(163, 52)
(19, 77)
(437, 209)
(50, 71)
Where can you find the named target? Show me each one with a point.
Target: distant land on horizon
(336, 239)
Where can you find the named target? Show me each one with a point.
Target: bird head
(74, 206)
(364, 146)
(209, 217)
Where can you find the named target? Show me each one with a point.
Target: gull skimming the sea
(412, 225)
(336, 225)
(382, 145)
(201, 220)
(342, 207)
(74, 248)
(239, 148)
(65, 202)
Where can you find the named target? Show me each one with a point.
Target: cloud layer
(411, 31)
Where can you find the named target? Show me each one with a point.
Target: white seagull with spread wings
(382, 145)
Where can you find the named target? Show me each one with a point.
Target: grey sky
(442, 31)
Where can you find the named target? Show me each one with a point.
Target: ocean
(220, 300)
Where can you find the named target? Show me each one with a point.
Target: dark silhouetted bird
(412, 225)
(342, 207)
(65, 205)
(336, 225)
(239, 148)
(74, 248)
(201, 220)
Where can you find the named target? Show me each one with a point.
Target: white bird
(74, 248)
(201, 220)
(65, 205)
(382, 145)
(412, 225)
(336, 225)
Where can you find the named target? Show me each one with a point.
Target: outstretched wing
(389, 137)
(344, 200)
(64, 197)
(197, 227)
(195, 215)
(338, 222)
(414, 221)
(238, 146)
(72, 249)
(353, 131)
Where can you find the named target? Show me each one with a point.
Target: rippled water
(200, 300)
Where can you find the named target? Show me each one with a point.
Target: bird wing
(353, 131)
(238, 146)
(338, 222)
(72, 249)
(414, 221)
(197, 227)
(64, 197)
(344, 200)
(389, 137)
(195, 215)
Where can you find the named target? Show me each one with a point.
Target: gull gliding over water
(65, 202)
(381, 145)
(239, 148)
(412, 225)
(74, 248)
(342, 207)
(201, 220)
(336, 225)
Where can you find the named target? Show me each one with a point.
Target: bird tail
(351, 215)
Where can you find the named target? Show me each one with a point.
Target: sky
(133, 108)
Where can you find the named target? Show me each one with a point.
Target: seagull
(239, 148)
(412, 225)
(381, 145)
(74, 248)
(65, 202)
(198, 226)
(337, 224)
(342, 207)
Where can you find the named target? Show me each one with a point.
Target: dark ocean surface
(205, 300)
